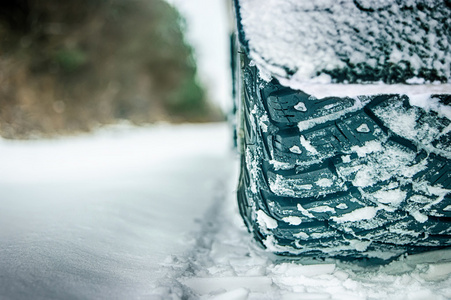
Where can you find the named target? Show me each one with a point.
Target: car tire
(365, 178)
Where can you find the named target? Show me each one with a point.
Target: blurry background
(95, 216)
(208, 27)
(70, 66)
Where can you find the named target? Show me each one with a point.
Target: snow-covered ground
(94, 216)
(150, 213)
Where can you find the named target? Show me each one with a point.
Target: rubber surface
(341, 177)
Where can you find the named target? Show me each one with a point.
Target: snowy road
(93, 217)
(150, 213)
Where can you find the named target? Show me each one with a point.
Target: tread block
(320, 208)
(307, 232)
(438, 172)
(313, 182)
(326, 140)
(289, 106)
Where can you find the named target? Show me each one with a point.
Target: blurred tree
(71, 65)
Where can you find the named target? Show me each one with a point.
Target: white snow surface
(420, 93)
(95, 216)
(151, 213)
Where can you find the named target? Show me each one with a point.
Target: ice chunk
(342, 206)
(301, 235)
(304, 211)
(437, 272)
(280, 165)
(295, 149)
(300, 107)
(292, 220)
(322, 209)
(264, 123)
(369, 147)
(308, 146)
(292, 269)
(419, 216)
(266, 221)
(415, 80)
(305, 187)
(324, 182)
(363, 128)
(359, 245)
(364, 213)
(391, 197)
(330, 106)
(346, 158)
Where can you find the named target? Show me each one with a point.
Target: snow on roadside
(227, 264)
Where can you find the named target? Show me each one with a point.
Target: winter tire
(363, 177)
(343, 177)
